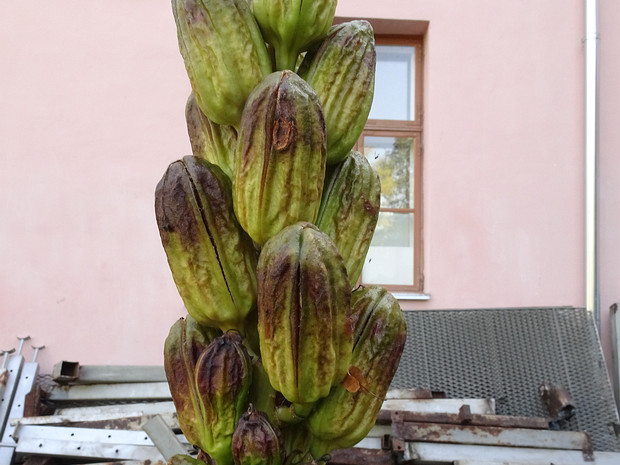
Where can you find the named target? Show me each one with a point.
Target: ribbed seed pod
(216, 143)
(350, 209)
(182, 348)
(342, 72)
(291, 26)
(224, 54)
(181, 459)
(223, 379)
(262, 394)
(344, 418)
(280, 159)
(212, 259)
(304, 320)
(256, 441)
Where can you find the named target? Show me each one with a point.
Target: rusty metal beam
(491, 436)
(386, 417)
(357, 456)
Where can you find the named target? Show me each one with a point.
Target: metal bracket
(164, 439)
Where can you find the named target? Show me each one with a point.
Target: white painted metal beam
(68, 416)
(453, 406)
(164, 439)
(426, 452)
(86, 443)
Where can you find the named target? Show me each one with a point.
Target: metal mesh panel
(506, 354)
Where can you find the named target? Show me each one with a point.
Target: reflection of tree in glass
(393, 167)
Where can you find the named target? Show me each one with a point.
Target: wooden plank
(428, 452)
(110, 392)
(491, 436)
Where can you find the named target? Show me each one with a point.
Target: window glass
(392, 158)
(392, 143)
(390, 257)
(394, 83)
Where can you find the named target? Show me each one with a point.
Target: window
(392, 142)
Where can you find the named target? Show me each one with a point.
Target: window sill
(411, 296)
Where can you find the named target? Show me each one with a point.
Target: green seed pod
(291, 26)
(224, 54)
(344, 418)
(342, 72)
(280, 159)
(262, 394)
(211, 258)
(182, 348)
(350, 209)
(216, 143)
(256, 441)
(181, 459)
(223, 379)
(304, 319)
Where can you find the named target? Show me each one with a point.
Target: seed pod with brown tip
(350, 209)
(224, 54)
(223, 379)
(280, 161)
(291, 26)
(344, 417)
(214, 142)
(182, 348)
(211, 258)
(304, 320)
(256, 441)
(342, 72)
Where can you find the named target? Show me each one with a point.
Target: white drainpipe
(591, 42)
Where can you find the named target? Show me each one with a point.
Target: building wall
(93, 96)
(609, 166)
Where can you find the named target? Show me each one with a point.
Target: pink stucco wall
(609, 164)
(93, 97)
(92, 103)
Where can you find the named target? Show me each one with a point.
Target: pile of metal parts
(18, 390)
(432, 430)
(511, 386)
(102, 414)
(124, 415)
